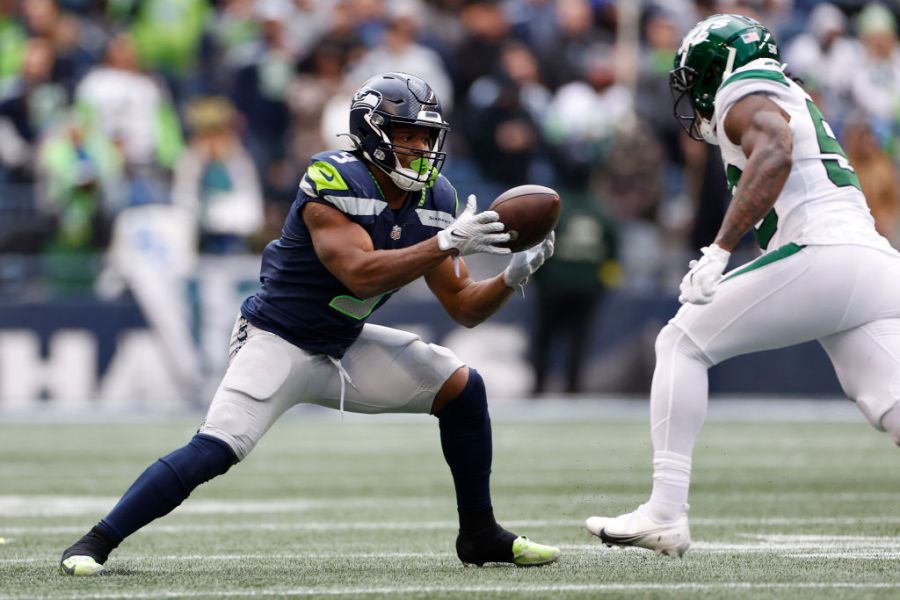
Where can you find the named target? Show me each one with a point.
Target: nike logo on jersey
(327, 176)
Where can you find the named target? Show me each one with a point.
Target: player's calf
(157, 491)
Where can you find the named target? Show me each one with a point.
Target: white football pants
(846, 297)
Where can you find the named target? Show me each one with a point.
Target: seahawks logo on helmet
(379, 106)
(708, 55)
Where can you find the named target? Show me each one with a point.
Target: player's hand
(472, 232)
(700, 283)
(523, 264)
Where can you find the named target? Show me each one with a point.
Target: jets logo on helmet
(390, 100)
(708, 55)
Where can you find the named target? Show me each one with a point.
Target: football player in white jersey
(825, 274)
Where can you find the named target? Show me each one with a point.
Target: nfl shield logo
(395, 232)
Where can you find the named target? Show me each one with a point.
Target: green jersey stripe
(767, 259)
(769, 74)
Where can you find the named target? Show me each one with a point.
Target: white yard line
(170, 527)
(801, 547)
(474, 589)
(24, 505)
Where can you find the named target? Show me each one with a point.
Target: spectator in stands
(875, 84)
(584, 117)
(823, 57)
(476, 55)
(320, 79)
(31, 103)
(308, 25)
(80, 185)
(501, 118)
(570, 291)
(44, 19)
(234, 31)
(12, 42)
(575, 43)
(215, 179)
(400, 51)
(133, 110)
(877, 175)
(652, 102)
(259, 92)
(168, 37)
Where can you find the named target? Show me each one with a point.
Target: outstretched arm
(346, 250)
(763, 132)
(468, 302)
(471, 302)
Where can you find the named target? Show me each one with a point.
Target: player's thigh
(867, 362)
(776, 304)
(266, 375)
(391, 371)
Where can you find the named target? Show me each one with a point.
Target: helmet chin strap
(708, 131)
(404, 182)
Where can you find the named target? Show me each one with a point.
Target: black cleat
(86, 556)
(499, 545)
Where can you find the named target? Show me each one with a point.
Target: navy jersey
(300, 300)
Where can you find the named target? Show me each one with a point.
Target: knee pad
(202, 459)
(471, 402)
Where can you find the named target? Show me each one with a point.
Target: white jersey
(821, 202)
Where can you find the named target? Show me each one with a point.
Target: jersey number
(839, 170)
(354, 307)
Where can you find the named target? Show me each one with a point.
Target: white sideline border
(474, 589)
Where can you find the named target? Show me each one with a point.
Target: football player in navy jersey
(364, 224)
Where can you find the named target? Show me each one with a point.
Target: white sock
(678, 400)
(671, 481)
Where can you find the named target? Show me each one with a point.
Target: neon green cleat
(80, 566)
(531, 554)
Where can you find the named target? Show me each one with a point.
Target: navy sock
(165, 484)
(466, 441)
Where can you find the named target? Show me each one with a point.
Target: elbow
(364, 292)
(363, 288)
(469, 323)
(467, 319)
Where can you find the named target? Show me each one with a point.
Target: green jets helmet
(709, 53)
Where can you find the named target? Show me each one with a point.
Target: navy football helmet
(386, 101)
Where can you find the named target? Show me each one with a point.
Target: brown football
(529, 213)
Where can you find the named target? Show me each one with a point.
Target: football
(529, 213)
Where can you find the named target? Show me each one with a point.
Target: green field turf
(365, 509)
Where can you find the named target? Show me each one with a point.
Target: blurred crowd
(215, 106)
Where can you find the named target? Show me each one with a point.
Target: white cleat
(638, 529)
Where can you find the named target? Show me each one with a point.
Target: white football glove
(472, 232)
(523, 264)
(700, 283)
